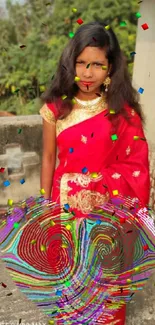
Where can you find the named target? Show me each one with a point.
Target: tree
(44, 31)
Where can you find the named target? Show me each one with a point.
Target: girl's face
(89, 69)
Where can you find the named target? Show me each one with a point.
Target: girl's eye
(98, 64)
(79, 62)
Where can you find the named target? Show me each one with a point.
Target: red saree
(94, 165)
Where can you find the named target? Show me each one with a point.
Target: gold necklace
(94, 104)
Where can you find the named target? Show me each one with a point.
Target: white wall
(144, 66)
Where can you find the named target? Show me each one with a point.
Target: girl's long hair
(120, 91)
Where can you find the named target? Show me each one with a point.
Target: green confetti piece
(123, 23)
(19, 131)
(71, 34)
(114, 137)
(68, 284)
(138, 15)
(16, 225)
(88, 65)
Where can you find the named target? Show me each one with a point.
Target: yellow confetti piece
(129, 280)
(94, 175)
(137, 268)
(104, 67)
(51, 322)
(43, 248)
(73, 101)
(64, 97)
(42, 191)
(136, 137)
(77, 78)
(64, 246)
(42, 88)
(10, 202)
(68, 227)
(115, 192)
(33, 241)
(112, 111)
(52, 223)
(74, 9)
(107, 27)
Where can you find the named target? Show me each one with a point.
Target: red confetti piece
(80, 21)
(3, 285)
(145, 247)
(2, 169)
(122, 220)
(22, 46)
(94, 39)
(145, 26)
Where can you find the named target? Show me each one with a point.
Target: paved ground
(16, 309)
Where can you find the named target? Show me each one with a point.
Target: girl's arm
(48, 157)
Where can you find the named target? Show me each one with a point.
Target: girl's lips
(87, 83)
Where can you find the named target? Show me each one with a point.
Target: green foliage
(44, 30)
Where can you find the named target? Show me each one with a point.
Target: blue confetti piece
(22, 181)
(6, 183)
(84, 170)
(71, 150)
(98, 222)
(66, 206)
(141, 90)
(59, 292)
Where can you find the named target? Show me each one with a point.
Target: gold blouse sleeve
(47, 114)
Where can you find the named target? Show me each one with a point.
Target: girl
(91, 114)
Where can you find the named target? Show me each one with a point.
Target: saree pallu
(95, 165)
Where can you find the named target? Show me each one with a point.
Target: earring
(106, 83)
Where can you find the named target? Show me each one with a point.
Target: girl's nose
(87, 71)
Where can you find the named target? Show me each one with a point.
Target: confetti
(77, 78)
(114, 137)
(59, 293)
(22, 181)
(43, 248)
(145, 247)
(138, 15)
(6, 183)
(22, 46)
(51, 322)
(2, 170)
(68, 227)
(88, 65)
(71, 150)
(33, 241)
(123, 23)
(74, 9)
(73, 101)
(52, 77)
(84, 170)
(64, 67)
(112, 111)
(115, 192)
(141, 90)
(17, 90)
(107, 27)
(19, 131)
(80, 21)
(71, 34)
(16, 225)
(3, 285)
(136, 137)
(48, 4)
(104, 67)
(137, 269)
(20, 320)
(122, 220)
(42, 191)
(145, 26)
(94, 175)
(9, 294)
(94, 39)
(10, 202)
(67, 206)
(99, 95)
(132, 53)
(63, 97)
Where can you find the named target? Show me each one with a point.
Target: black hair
(120, 91)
